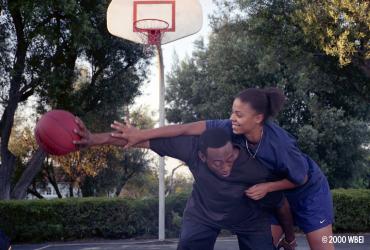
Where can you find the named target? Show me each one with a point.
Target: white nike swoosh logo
(322, 221)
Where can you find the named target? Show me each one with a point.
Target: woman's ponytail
(276, 100)
(268, 101)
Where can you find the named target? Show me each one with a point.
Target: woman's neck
(255, 135)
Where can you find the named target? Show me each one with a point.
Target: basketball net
(151, 32)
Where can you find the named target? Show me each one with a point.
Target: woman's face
(244, 118)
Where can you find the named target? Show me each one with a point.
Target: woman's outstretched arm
(133, 135)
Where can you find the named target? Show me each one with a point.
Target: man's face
(220, 160)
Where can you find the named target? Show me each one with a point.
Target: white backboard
(184, 17)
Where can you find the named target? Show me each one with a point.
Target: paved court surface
(227, 243)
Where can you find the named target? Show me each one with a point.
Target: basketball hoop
(151, 31)
(173, 20)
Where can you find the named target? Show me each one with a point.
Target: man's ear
(202, 157)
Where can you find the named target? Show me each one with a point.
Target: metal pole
(161, 216)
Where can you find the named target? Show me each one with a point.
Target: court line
(106, 243)
(42, 247)
(119, 243)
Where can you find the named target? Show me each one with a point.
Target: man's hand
(258, 191)
(284, 244)
(128, 132)
(87, 139)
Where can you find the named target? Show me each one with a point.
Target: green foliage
(141, 118)
(329, 139)
(179, 184)
(352, 210)
(121, 165)
(45, 45)
(56, 35)
(66, 219)
(23, 144)
(142, 185)
(339, 27)
(41, 220)
(258, 44)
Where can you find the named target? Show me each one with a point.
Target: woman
(308, 190)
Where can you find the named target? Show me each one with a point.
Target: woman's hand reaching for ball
(127, 132)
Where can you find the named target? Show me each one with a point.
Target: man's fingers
(128, 123)
(80, 142)
(123, 125)
(254, 194)
(117, 126)
(251, 189)
(80, 124)
(248, 194)
(117, 135)
(254, 197)
(79, 132)
(118, 123)
(251, 192)
(128, 145)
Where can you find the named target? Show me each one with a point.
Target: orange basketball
(54, 132)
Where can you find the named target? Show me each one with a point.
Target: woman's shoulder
(285, 149)
(218, 123)
(278, 136)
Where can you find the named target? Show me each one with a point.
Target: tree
(78, 165)
(339, 28)
(142, 185)
(41, 45)
(178, 183)
(121, 166)
(23, 145)
(146, 184)
(258, 44)
(50, 175)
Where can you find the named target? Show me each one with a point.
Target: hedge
(352, 210)
(77, 218)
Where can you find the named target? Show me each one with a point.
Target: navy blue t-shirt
(279, 152)
(4, 241)
(220, 201)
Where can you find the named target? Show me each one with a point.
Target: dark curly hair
(268, 101)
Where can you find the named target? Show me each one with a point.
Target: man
(222, 172)
(4, 241)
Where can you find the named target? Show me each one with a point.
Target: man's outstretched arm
(182, 148)
(89, 139)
